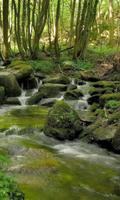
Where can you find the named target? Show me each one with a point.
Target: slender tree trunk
(111, 23)
(56, 41)
(5, 30)
(72, 22)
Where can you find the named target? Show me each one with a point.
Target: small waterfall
(39, 83)
(73, 81)
(23, 98)
(83, 103)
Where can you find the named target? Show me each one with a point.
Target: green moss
(29, 117)
(63, 122)
(73, 94)
(106, 97)
(112, 104)
(114, 118)
(104, 84)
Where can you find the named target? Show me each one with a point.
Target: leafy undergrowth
(44, 66)
(8, 188)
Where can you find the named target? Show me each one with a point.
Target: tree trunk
(5, 30)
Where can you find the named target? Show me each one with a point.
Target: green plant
(112, 104)
(44, 66)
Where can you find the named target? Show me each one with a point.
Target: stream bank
(65, 169)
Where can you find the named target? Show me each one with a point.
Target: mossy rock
(73, 94)
(47, 90)
(68, 65)
(116, 141)
(112, 96)
(114, 118)
(104, 84)
(58, 80)
(20, 69)
(52, 89)
(89, 76)
(63, 122)
(35, 98)
(94, 91)
(9, 82)
(2, 94)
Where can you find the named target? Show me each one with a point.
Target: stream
(47, 169)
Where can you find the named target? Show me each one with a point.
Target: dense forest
(28, 27)
(59, 99)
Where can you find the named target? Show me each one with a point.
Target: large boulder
(63, 122)
(9, 82)
(20, 69)
(47, 90)
(2, 94)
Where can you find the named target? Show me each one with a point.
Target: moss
(106, 97)
(47, 90)
(8, 81)
(114, 118)
(94, 91)
(57, 80)
(63, 122)
(73, 94)
(112, 104)
(104, 84)
(20, 69)
(28, 117)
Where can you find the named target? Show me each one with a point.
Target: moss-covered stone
(94, 91)
(2, 94)
(114, 118)
(20, 69)
(89, 76)
(47, 90)
(104, 84)
(63, 122)
(58, 80)
(73, 94)
(112, 96)
(8, 81)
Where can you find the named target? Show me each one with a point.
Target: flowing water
(47, 169)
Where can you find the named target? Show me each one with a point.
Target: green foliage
(83, 64)
(112, 104)
(8, 188)
(44, 66)
(103, 50)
